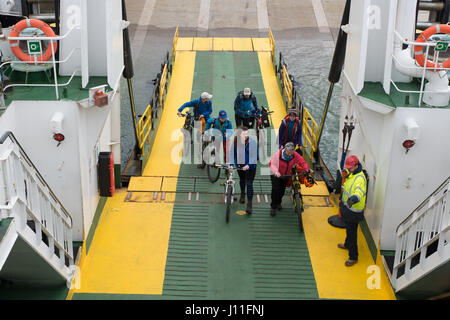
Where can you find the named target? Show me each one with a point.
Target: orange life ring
(418, 50)
(29, 23)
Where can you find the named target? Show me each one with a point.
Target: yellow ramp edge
(129, 249)
(203, 44)
(261, 44)
(145, 184)
(273, 95)
(334, 280)
(223, 44)
(242, 44)
(184, 44)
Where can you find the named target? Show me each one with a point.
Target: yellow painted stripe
(169, 138)
(273, 95)
(184, 44)
(203, 44)
(145, 184)
(261, 44)
(334, 280)
(223, 44)
(319, 189)
(129, 250)
(242, 44)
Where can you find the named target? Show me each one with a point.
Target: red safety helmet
(350, 162)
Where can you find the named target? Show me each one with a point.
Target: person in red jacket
(281, 165)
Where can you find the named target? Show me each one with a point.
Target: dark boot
(249, 207)
(242, 198)
(272, 212)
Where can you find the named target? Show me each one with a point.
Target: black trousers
(351, 220)
(246, 180)
(278, 190)
(247, 122)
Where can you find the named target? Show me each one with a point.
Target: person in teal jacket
(224, 125)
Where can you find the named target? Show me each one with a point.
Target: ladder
(422, 244)
(36, 217)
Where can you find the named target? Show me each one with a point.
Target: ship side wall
(30, 121)
(70, 169)
(415, 174)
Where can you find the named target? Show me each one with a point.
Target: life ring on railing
(31, 23)
(418, 50)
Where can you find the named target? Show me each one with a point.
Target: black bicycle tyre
(298, 211)
(228, 202)
(211, 177)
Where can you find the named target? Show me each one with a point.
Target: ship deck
(165, 235)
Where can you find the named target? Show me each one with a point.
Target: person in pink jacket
(281, 165)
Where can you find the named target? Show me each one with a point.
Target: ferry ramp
(165, 236)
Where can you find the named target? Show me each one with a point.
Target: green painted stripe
(95, 220)
(370, 242)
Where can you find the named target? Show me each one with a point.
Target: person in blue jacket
(245, 106)
(224, 125)
(244, 155)
(202, 108)
(291, 131)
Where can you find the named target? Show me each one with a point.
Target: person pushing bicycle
(243, 155)
(202, 108)
(281, 165)
(224, 125)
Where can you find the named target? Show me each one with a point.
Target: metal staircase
(35, 229)
(422, 255)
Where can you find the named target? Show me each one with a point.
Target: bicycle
(188, 123)
(297, 198)
(228, 188)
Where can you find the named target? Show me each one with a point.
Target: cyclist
(245, 106)
(281, 165)
(202, 108)
(291, 131)
(244, 155)
(224, 125)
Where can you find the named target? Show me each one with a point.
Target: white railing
(423, 239)
(417, 70)
(53, 61)
(39, 215)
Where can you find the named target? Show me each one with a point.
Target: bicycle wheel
(298, 210)
(212, 171)
(228, 202)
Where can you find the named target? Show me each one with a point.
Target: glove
(352, 200)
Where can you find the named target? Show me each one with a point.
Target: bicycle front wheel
(212, 171)
(299, 210)
(228, 202)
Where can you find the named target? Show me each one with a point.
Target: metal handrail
(272, 43)
(145, 126)
(287, 84)
(46, 38)
(174, 45)
(424, 68)
(10, 135)
(420, 206)
(52, 40)
(39, 62)
(310, 133)
(162, 83)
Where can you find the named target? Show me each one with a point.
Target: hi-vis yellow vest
(355, 185)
